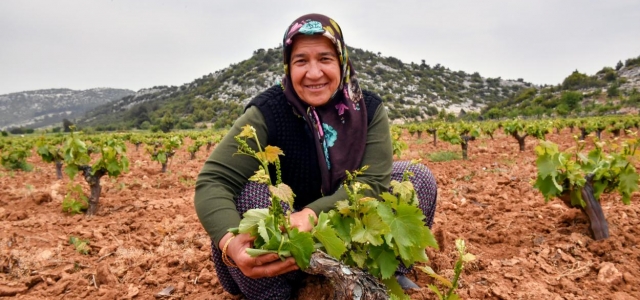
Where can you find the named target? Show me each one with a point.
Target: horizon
(137, 45)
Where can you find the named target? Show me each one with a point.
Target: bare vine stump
(96, 188)
(59, 169)
(520, 140)
(348, 282)
(593, 210)
(599, 224)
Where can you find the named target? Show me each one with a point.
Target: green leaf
(250, 221)
(328, 236)
(547, 165)
(395, 288)
(301, 245)
(262, 230)
(444, 281)
(453, 297)
(260, 177)
(548, 187)
(386, 260)
(599, 187)
(406, 224)
(434, 289)
(628, 184)
(576, 198)
(429, 240)
(358, 257)
(71, 171)
(257, 252)
(389, 199)
(369, 230)
(342, 225)
(162, 157)
(343, 207)
(404, 189)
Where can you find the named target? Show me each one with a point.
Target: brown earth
(146, 235)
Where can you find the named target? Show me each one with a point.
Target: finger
(265, 259)
(276, 268)
(290, 266)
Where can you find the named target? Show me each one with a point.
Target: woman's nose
(314, 71)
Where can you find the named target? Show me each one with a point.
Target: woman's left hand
(300, 219)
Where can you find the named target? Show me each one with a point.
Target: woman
(325, 125)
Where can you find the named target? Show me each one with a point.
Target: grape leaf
(328, 236)
(548, 187)
(251, 219)
(547, 165)
(428, 239)
(446, 282)
(257, 252)
(343, 207)
(404, 189)
(358, 257)
(162, 157)
(262, 230)
(301, 245)
(628, 184)
(405, 224)
(385, 259)
(260, 177)
(369, 230)
(342, 225)
(247, 131)
(71, 170)
(282, 192)
(389, 199)
(270, 154)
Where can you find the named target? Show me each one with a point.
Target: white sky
(136, 44)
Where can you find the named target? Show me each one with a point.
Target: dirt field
(146, 235)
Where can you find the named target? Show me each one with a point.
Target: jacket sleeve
(378, 155)
(224, 175)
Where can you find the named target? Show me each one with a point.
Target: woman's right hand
(268, 265)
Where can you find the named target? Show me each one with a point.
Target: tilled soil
(146, 236)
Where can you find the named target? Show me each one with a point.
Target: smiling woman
(325, 125)
(315, 70)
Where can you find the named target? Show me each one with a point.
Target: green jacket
(224, 175)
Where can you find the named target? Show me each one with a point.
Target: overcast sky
(138, 44)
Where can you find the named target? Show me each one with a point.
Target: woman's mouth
(316, 86)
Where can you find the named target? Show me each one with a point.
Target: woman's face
(315, 69)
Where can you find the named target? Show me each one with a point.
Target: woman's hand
(300, 219)
(268, 265)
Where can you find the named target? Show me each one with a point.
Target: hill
(411, 91)
(46, 107)
(609, 91)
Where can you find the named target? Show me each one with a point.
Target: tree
(494, 113)
(613, 90)
(167, 122)
(66, 124)
(619, 65)
(571, 99)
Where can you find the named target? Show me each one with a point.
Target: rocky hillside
(411, 91)
(46, 107)
(609, 91)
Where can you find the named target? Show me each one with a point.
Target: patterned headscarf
(341, 124)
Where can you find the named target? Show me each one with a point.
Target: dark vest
(290, 133)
